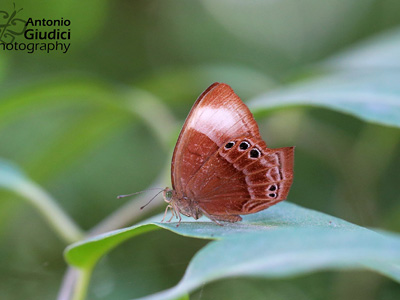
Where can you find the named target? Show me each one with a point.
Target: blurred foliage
(71, 122)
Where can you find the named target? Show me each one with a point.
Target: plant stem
(55, 216)
(82, 283)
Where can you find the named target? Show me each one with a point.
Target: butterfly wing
(237, 181)
(221, 163)
(217, 116)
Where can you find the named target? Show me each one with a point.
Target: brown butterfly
(221, 168)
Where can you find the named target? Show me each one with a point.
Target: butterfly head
(168, 195)
(171, 198)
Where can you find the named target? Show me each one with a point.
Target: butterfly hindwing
(242, 177)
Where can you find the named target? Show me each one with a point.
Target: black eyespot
(254, 153)
(229, 145)
(272, 188)
(244, 145)
(273, 195)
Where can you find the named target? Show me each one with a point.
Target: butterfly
(221, 167)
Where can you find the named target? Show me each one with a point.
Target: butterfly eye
(272, 188)
(254, 153)
(272, 195)
(244, 145)
(229, 145)
(168, 195)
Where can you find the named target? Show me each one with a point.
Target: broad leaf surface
(284, 240)
(370, 96)
(286, 252)
(365, 83)
(379, 52)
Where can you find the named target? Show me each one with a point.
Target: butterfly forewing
(216, 116)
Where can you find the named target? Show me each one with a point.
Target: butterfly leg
(165, 213)
(214, 220)
(211, 217)
(180, 219)
(172, 213)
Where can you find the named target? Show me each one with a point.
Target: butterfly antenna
(123, 196)
(152, 199)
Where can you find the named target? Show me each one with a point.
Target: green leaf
(86, 253)
(184, 297)
(282, 241)
(366, 84)
(370, 96)
(379, 52)
(286, 252)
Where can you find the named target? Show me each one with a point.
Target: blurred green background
(101, 120)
